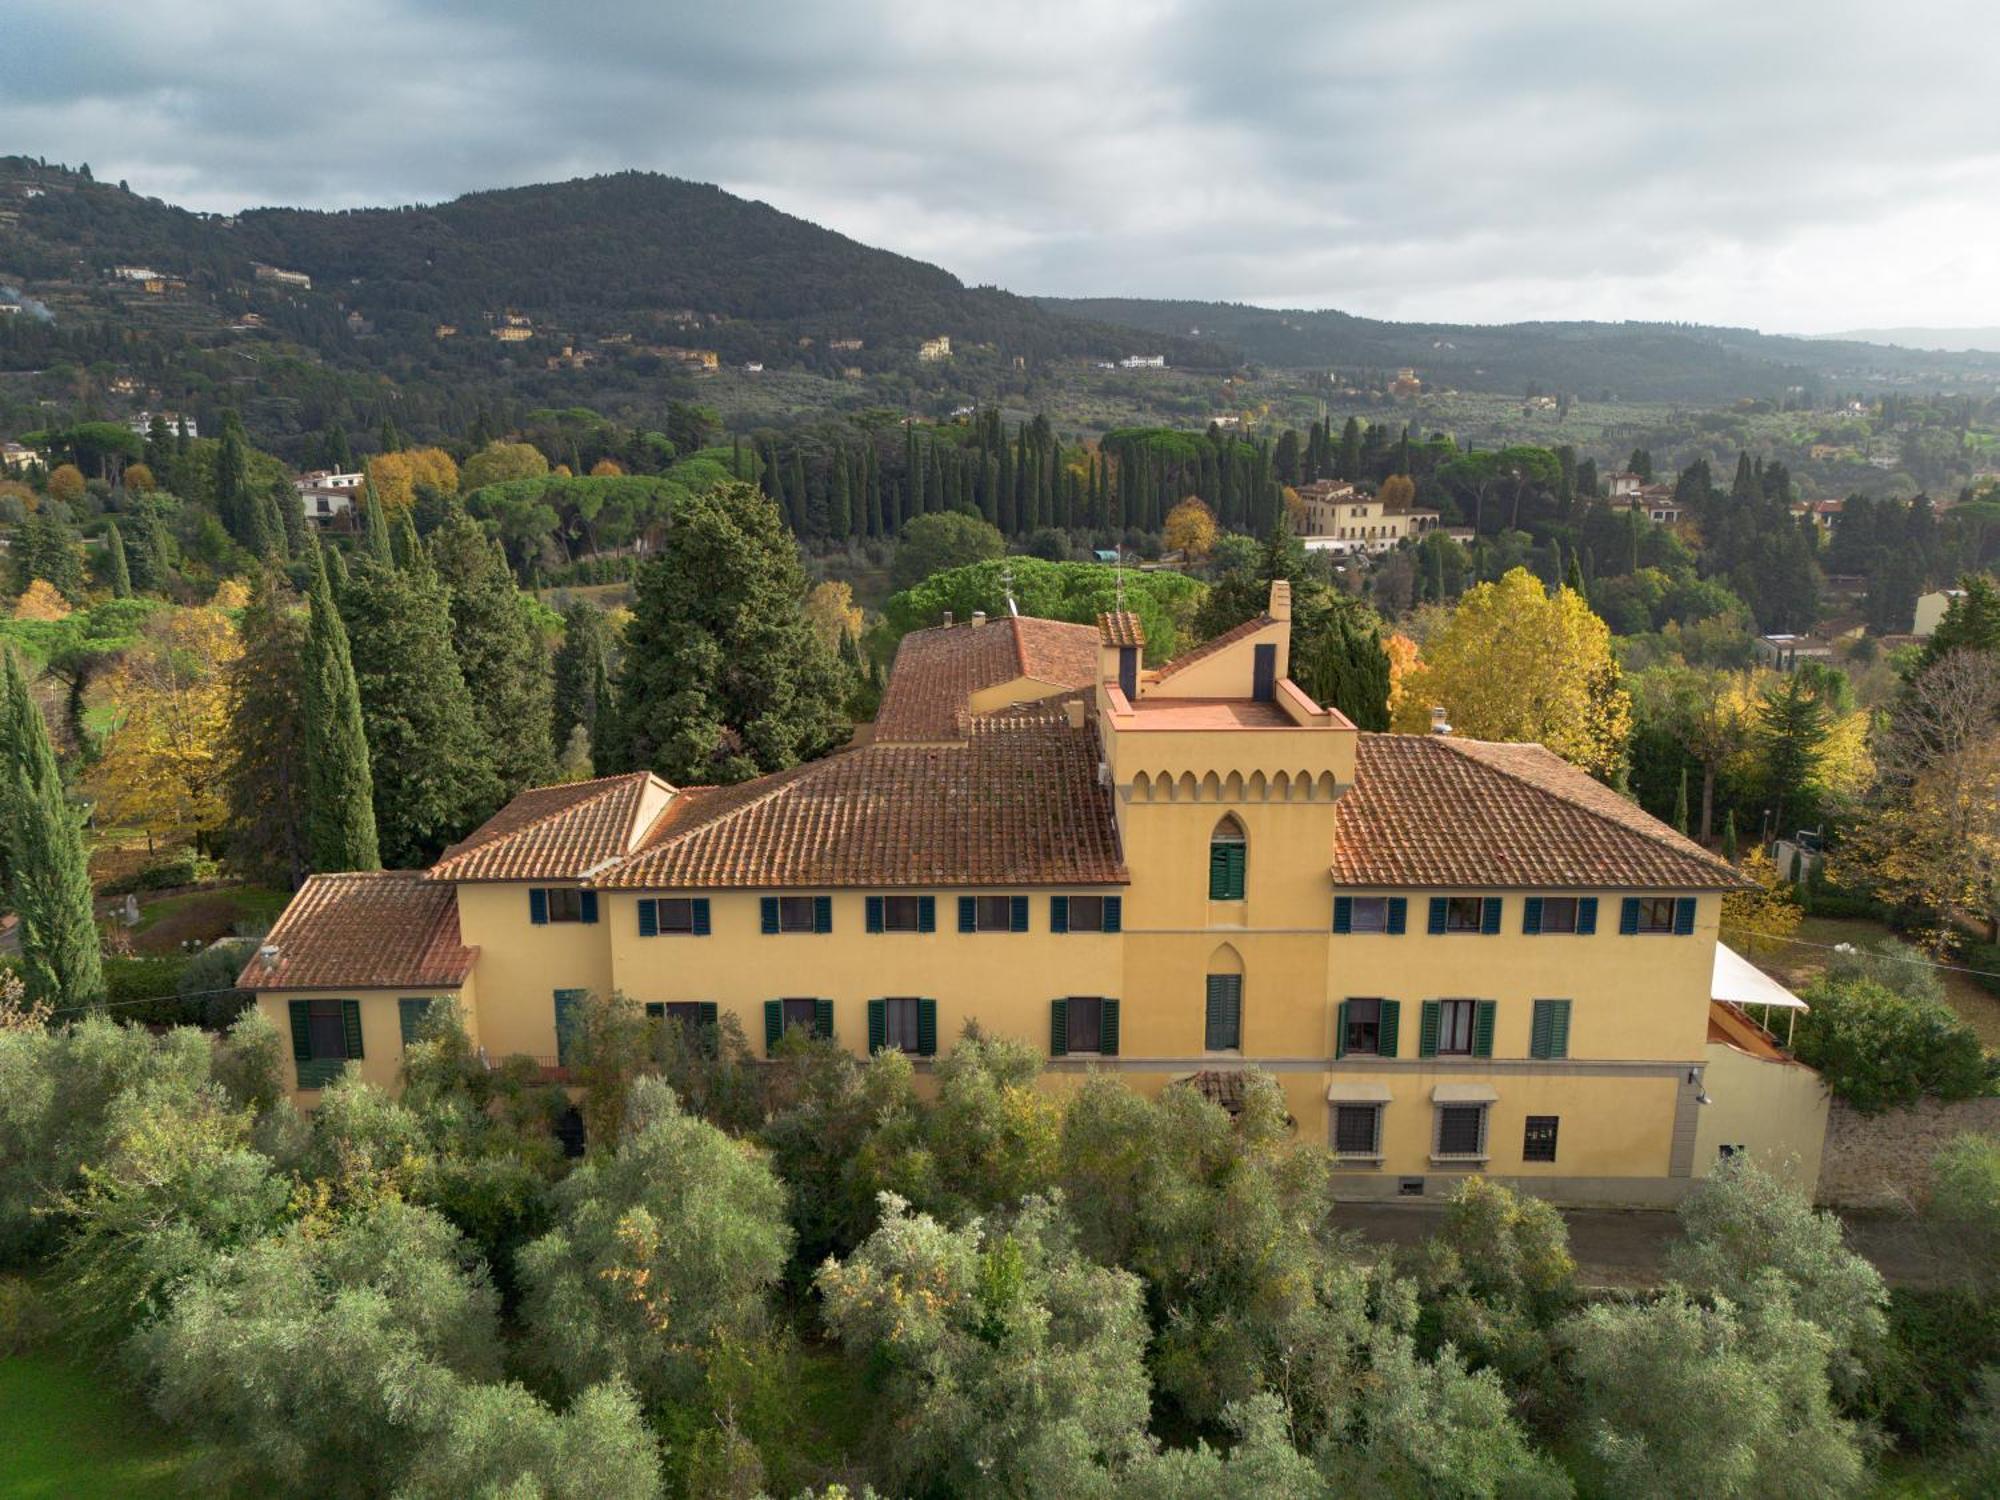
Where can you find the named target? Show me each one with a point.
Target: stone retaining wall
(1883, 1161)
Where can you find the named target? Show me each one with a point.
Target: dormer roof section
(559, 832)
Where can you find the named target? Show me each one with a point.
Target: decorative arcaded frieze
(1258, 786)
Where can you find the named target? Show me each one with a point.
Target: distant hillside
(1634, 361)
(1985, 340)
(634, 256)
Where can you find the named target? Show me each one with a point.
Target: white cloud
(1781, 164)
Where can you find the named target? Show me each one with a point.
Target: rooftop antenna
(1007, 583)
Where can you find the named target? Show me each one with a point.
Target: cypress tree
(1573, 581)
(340, 808)
(604, 720)
(1729, 836)
(404, 547)
(500, 649)
(48, 871)
(1348, 465)
(269, 746)
(579, 663)
(1681, 805)
(839, 499)
(115, 564)
(379, 545)
(428, 753)
(1346, 668)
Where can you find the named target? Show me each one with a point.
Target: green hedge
(141, 991)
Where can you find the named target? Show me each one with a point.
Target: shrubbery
(1877, 1049)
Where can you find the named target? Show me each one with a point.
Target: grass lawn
(69, 1433)
(1796, 964)
(168, 921)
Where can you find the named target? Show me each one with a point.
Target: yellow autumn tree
(606, 468)
(1517, 663)
(1191, 529)
(397, 475)
(231, 593)
(833, 613)
(1769, 912)
(41, 600)
(139, 477)
(66, 482)
(499, 462)
(163, 765)
(1398, 492)
(1403, 658)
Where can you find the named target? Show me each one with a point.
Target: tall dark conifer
(500, 651)
(339, 788)
(118, 571)
(48, 874)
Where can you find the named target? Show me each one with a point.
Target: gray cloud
(1781, 163)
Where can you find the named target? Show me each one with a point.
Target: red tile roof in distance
(1208, 648)
(551, 832)
(1445, 813)
(1015, 802)
(388, 929)
(937, 671)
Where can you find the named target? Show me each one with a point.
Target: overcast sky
(1803, 165)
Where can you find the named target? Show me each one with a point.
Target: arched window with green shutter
(1228, 853)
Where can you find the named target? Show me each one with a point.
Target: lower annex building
(1453, 956)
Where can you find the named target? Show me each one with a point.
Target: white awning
(1464, 1093)
(1359, 1091)
(1741, 982)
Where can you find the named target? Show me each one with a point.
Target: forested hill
(664, 261)
(1635, 361)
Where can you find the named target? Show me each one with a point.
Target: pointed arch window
(1226, 861)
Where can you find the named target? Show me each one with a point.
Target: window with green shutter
(1227, 861)
(326, 1034)
(1548, 1035)
(411, 1014)
(569, 1016)
(1222, 1029)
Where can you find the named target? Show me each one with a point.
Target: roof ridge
(604, 788)
(1215, 643)
(1020, 645)
(1676, 842)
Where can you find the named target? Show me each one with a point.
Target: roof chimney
(269, 953)
(1073, 711)
(1439, 723)
(1280, 607)
(947, 619)
(978, 618)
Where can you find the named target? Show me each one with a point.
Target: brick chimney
(978, 618)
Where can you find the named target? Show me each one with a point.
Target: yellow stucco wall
(1774, 1110)
(381, 1061)
(522, 965)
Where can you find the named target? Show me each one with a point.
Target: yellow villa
(1453, 956)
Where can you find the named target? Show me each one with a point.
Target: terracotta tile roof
(937, 671)
(551, 832)
(389, 929)
(1016, 802)
(1443, 812)
(1121, 628)
(1208, 648)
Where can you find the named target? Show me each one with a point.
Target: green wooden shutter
(649, 918)
(708, 1013)
(927, 1028)
(774, 1025)
(1628, 917)
(968, 914)
(587, 906)
(1399, 915)
(700, 912)
(767, 909)
(350, 1026)
(927, 914)
(302, 1046)
(1017, 914)
(1684, 916)
(1107, 1028)
(656, 1010)
(569, 1007)
(874, 913)
(1427, 1030)
(1392, 1015)
(1489, 917)
(1437, 913)
(1482, 1028)
(1058, 914)
(878, 1026)
(1059, 1028)
(1114, 913)
(1549, 1037)
(538, 906)
(823, 1019)
(1223, 1028)
(410, 1015)
(1343, 914)
(1531, 916)
(1586, 916)
(822, 914)
(1340, 1030)
(1227, 862)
